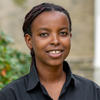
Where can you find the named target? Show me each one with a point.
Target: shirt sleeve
(7, 94)
(2, 96)
(98, 93)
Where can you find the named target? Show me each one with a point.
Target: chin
(55, 63)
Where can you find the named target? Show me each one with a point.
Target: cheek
(67, 46)
(39, 44)
(66, 43)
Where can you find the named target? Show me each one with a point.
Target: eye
(44, 34)
(63, 33)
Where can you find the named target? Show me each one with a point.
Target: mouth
(55, 53)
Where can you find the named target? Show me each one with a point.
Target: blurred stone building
(12, 14)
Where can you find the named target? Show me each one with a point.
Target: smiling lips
(55, 53)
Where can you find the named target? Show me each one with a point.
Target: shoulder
(87, 85)
(9, 91)
(84, 81)
(16, 83)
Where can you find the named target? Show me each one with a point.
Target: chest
(68, 94)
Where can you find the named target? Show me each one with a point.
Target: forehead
(50, 17)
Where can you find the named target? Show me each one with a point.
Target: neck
(50, 74)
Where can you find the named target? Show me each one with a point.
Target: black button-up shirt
(30, 88)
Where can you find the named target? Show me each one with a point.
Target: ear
(28, 40)
(70, 34)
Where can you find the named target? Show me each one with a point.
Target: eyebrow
(64, 28)
(46, 29)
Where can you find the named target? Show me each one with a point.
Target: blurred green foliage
(13, 64)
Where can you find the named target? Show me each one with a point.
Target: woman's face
(50, 38)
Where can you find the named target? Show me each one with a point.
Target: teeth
(55, 52)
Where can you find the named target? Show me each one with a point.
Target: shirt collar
(70, 79)
(33, 79)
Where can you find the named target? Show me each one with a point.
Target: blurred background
(14, 54)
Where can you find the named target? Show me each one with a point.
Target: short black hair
(35, 11)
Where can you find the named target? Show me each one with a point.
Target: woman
(47, 31)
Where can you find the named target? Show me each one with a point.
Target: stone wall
(81, 11)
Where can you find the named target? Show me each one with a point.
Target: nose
(55, 40)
